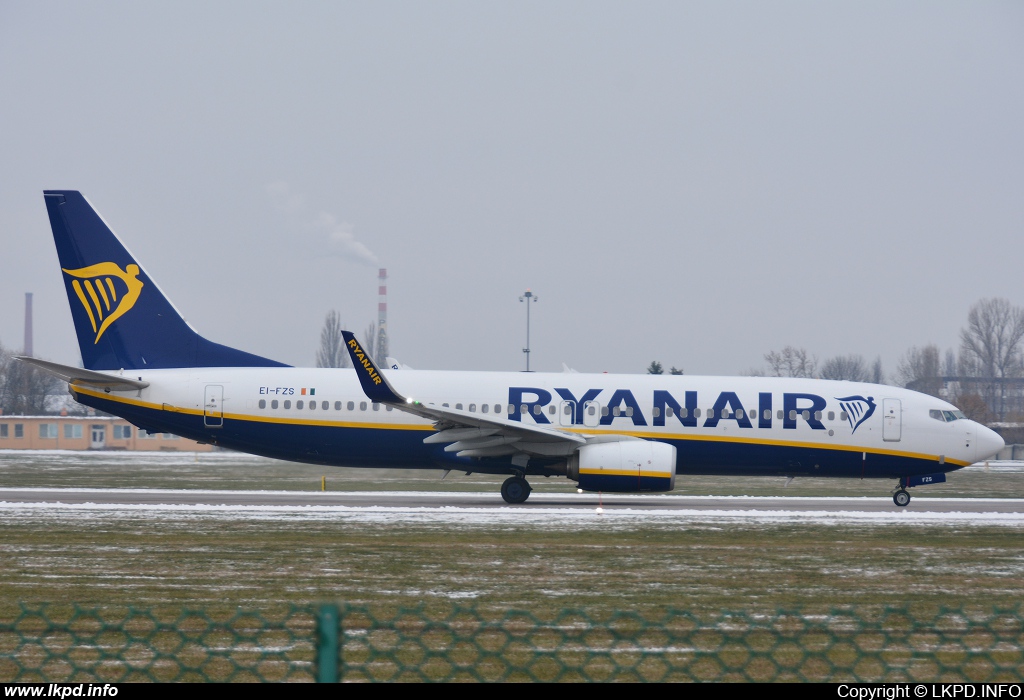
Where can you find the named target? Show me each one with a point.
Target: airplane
(606, 432)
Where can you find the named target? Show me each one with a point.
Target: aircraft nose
(988, 443)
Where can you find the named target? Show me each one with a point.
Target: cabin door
(892, 420)
(213, 407)
(591, 414)
(566, 413)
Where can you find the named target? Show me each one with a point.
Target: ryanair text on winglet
(367, 365)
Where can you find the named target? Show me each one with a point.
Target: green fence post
(327, 643)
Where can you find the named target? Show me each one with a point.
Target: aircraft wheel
(516, 489)
(901, 498)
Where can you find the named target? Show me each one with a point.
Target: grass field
(190, 557)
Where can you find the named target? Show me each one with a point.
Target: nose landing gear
(516, 489)
(901, 497)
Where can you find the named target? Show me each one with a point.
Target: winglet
(375, 386)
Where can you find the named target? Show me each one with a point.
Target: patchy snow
(509, 516)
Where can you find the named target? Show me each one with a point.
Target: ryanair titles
(589, 409)
(364, 362)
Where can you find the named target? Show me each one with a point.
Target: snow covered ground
(739, 510)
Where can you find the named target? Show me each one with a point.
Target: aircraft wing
(469, 434)
(77, 375)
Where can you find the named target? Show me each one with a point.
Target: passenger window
(817, 415)
(739, 413)
(391, 408)
(792, 415)
(629, 411)
(362, 405)
(273, 404)
(458, 407)
(590, 410)
(831, 415)
(312, 405)
(523, 409)
(298, 404)
(536, 410)
(337, 405)
(325, 405)
(669, 412)
(656, 412)
(497, 408)
(484, 407)
(287, 404)
(604, 410)
(551, 409)
(445, 405)
(263, 403)
(696, 413)
(568, 409)
(511, 409)
(351, 406)
(806, 415)
(472, 408)
(376, 407)
(779, 414)
(768, 414)
(843, 415)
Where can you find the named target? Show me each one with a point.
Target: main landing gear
(516, 489)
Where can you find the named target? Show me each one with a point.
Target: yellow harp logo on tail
(106, 291)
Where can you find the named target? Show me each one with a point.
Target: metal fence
(358, 643)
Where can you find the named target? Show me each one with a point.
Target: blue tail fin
(121, 317)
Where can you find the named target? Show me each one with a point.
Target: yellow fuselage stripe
(618, 472)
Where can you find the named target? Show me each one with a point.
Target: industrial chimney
(27, 348)
(382, 316)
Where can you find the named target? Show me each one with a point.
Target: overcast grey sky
(697, 183)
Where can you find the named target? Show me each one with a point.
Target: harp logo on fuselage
(106, 291)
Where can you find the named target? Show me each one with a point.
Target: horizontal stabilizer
(87, 377)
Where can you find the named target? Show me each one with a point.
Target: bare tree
(791, 362)
(877, 375)
(370, 343)
(25, 389)
(6, 360)
(849, 367)
(332, 352)
(990, 347)
(949, 364)
(919, 369)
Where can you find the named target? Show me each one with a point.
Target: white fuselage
(744, 425)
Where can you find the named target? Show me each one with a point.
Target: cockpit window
(946, 416)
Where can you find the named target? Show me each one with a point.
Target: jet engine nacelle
(628, 466)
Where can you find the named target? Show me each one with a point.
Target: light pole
(528, 297)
